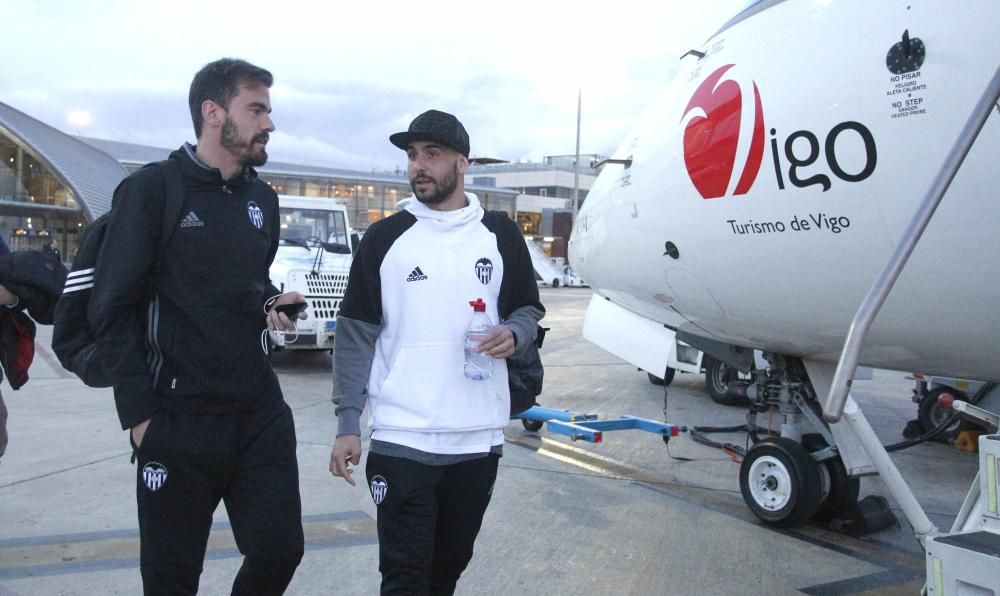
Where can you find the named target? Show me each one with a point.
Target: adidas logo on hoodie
(416, 275)
(191, 221)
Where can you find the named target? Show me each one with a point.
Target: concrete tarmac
(630, 515)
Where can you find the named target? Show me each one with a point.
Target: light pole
(576, 164)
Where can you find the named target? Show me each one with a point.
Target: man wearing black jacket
(7, 299)
(30, 281)
(187, 335)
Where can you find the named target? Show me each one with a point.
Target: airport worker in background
(52, 248)
(6, 299)
(29, 281)
(437, 435)
(190, 358)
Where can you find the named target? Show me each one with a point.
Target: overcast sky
(348, 74)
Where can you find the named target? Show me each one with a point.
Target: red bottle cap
(478, 305)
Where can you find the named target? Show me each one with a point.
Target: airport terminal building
(53, 184)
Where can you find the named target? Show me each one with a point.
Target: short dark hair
(220, 82)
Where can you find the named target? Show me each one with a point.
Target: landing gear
(837, 488)
(718, 375)
(788, 480)
(780, 482)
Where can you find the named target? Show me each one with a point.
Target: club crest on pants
(379, 489)
(154, 475)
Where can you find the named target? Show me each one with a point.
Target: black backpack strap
(173, 203)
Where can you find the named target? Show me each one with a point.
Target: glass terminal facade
(35, 207)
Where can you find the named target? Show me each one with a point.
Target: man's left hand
(499, 343)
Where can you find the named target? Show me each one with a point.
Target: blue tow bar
(587, 427)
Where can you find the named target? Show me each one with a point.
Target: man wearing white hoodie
(437, 436)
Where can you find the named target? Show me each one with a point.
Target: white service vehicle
(314, 257)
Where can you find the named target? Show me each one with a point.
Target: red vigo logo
(712, 137)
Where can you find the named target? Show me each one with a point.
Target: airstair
(965, 560)
(550, 272)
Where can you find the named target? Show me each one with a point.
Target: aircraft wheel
(844, 489)
(839, 489)
(718, 375)
(532, 425)
(931, 415)
(665, 380)
(780, 482)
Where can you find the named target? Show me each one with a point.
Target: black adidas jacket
(36, 278)
(197, 342)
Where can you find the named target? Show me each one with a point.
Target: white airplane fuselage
(783, 168)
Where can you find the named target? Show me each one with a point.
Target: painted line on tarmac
(62, 554)
(900, 579)
(596, 463)
(899, 569)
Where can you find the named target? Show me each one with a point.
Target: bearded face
(248, 147)
(432, 191)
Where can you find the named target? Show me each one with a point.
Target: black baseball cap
(437, 126)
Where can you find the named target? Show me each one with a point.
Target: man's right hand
(346, 450)
(138, 432)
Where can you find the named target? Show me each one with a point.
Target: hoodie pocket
(426, 390)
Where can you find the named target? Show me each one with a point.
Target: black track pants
(428, 519)
(187, 464)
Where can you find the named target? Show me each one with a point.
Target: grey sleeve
(523, 322)
(353, 353)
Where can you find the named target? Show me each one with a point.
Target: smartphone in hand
(292, 310)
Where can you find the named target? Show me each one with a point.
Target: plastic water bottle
(478, 365)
